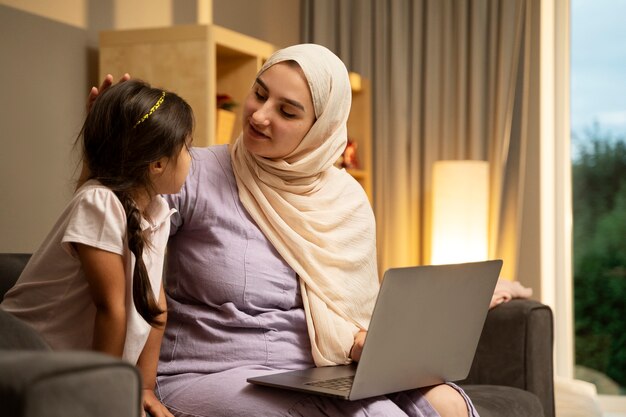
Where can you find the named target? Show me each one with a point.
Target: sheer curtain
(450, 81)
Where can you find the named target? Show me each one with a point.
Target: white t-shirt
(52, 294)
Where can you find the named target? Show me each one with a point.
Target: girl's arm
(107, 284)
(147, 364)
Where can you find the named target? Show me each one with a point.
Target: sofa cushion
(11, 266)
(15, 334)
(501, 401)
(61, 384)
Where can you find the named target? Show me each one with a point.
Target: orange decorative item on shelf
(349, 159)
(225, 119)
(224, 126)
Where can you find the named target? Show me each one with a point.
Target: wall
(43, 84)
(274, 21)
(49, 62)
(121, 14)
(70, 12)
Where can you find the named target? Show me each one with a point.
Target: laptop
(424, 331)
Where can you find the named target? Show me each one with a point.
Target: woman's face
(278, 111)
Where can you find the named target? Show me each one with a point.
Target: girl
(95, 282)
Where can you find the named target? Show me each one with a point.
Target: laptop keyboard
(339, 384)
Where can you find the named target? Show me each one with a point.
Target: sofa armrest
(515, 349)
(17, 335)
(11, 266)
(35, 381)
(55, 384)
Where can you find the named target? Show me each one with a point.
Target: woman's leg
(446, 400)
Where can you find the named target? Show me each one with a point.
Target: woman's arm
(147, 364)
(107, 285)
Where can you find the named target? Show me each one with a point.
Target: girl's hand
(106, 83)
(357, 347)
(152, 405)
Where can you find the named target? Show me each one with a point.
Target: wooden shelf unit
(195, 61)
(360, 131)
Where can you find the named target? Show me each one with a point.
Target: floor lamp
(460, 204)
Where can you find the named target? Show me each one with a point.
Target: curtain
(449, 81)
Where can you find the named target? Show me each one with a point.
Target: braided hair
(119, 142)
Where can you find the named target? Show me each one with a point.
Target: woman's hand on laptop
(357, 347)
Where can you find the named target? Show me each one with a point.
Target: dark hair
(119, 142)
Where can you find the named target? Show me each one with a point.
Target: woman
(272, 260)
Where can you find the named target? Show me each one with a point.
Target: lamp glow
(460, 203)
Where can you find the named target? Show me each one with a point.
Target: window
(598, 125)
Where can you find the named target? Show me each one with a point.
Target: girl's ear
(157, 167)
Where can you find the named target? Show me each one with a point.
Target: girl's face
(278, 112)
(174, 172)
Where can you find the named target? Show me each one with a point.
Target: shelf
(195, 61)
(360, 131)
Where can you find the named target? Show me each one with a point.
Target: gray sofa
(512, 372)
(511, 376)
(37, 382)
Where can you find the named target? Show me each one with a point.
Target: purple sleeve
(179, 203)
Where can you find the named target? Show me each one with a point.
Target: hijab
(317, 216)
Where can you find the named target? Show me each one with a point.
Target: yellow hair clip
(152, 110)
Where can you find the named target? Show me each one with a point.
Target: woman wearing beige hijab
(272, 258)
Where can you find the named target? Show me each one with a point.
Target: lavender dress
(234, 311)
